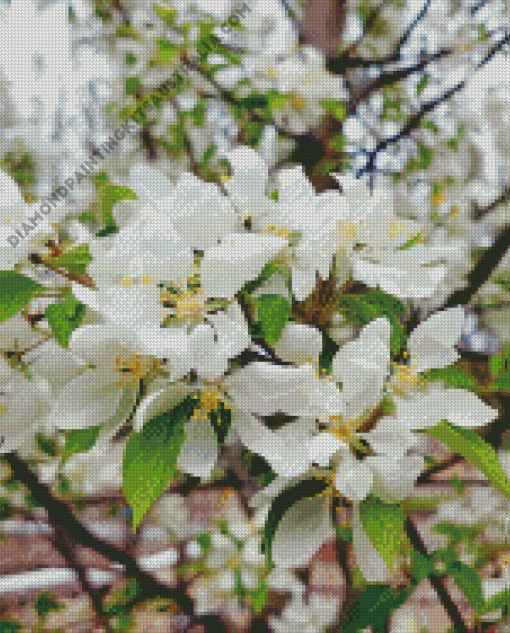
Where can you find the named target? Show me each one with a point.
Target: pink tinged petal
(239, 258)
(431, 344)
(368, 559)
(199, 451)
(323, 447)
(301, 532)
(353, 479)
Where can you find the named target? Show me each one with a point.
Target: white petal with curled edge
(238, 259)
(464, 408)
(199, 451)
(299, 343)
(458, 406)
(431, 344)
(170, 343)
(323, 447)
(208, 357)
(354, 478)
(249, 176)
(302, 531)
(88, 400)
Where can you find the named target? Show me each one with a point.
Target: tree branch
(425, 109)
(70, 529)
(481, 271)
(436, 582)
(480, 213)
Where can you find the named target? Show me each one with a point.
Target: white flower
(431, 343)
(314, 616)
(458, 406)
(23, 404)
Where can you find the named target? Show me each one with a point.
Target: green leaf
(422, 84)
(499, 601)
(273, 312)
(344, 533)
(385, 303)
(208, 154)
(45, 603)
(64, 318)
(109, 195)
(167, 50)
(275, 100)
(79, 441)
(9, 626)
(410, 242)
(16, 291)
(453, 376)
(355, 310)
(258, 597)
(384, 525)
(422, 566)
(130, 59)
(502, 383)
(204, 540)
(74, 261)
(132, 85)
(266, 273)
(469, 582)
(336, 108)
(364, 308)
(503, 282)
(373, 608)
(167, 15)
(254, 102)
(151, 455)
(284, 502)
(499, 363)
(469, 444)
(329, 348)
(423, 160)
(221, 420)
(456, 532)
(429, 125)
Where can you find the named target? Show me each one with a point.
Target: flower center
(341, 429)
(129, 282)
(297, 102)
(348, 229)
(404, 380)
(133, 369)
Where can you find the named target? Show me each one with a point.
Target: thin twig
(436, 582)
(64, 522)
(481, 271)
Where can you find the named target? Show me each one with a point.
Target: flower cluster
(210, 304)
